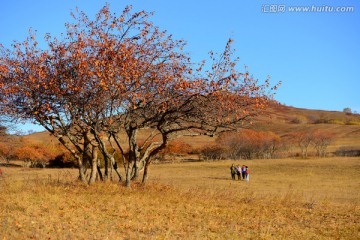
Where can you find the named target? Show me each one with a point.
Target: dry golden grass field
(291, 198)
(285, 199)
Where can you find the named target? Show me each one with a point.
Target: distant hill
(281, 120)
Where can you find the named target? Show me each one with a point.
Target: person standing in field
(238, 172)
(232, 171)
(247, 175)
(243, 172)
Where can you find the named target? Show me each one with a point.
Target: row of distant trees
(249, 144)
(244, 144)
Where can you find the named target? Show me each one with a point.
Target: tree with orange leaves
(120, 73)
(322, 139)
(248, 144)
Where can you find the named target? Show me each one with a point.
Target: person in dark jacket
(243, 172)
(238, 172)
(232, 171)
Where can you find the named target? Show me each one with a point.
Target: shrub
(352, 123)
(299, 120)
(319, 139)
(248, 144)
(347, 110)
(175, 149)
(302, 139)
(322, 120)
(213, 152)
(348, 152)
(313, 118)
(63, 160)
(35, 155)
(336, 121)
(4, 151)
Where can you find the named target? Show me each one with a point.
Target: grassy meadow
(285, 199)
(290, 198)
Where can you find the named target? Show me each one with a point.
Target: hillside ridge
(281, 120)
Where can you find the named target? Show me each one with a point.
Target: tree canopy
(119, 72)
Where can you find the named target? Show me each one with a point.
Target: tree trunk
(93, 165)
(146, 169)
(81, 171)
(99, 170)
(135, 171)
(106, 166)
(132, 133)
(122, 156)
(128, 175)
(82, 176)
(77, 156)
(115, 167)
(129, 167)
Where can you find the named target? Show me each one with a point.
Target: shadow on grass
(218, 178)
(9, 165)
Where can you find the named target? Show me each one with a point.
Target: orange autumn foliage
(119, 72)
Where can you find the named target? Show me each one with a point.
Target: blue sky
(316, 55)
